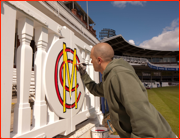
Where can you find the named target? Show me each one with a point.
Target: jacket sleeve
(95, 89)
(133, 96)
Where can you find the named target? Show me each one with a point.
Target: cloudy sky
(147, 24)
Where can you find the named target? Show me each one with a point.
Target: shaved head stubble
(103, 50)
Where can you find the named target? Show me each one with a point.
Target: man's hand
(82, 69)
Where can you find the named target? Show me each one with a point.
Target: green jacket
(131, 113)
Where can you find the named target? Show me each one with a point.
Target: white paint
(32, 84)
(47, 130)
(91, 114)
(41, 136)
(29, 11)
(40, 107)
(52, 117)
(100, 117)
(83, 130)
(8, 18)
(59, 28)
(97, 100)
(22, 112)
(52, 37)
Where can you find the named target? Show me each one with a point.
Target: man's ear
(99, 60)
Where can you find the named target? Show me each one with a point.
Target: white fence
(32, 83)
(45, 123)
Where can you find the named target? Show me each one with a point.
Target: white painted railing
(45, 123)
(32, 84)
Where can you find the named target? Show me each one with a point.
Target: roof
(80, 8)
(123, 47)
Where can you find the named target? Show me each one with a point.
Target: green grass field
(166, 101)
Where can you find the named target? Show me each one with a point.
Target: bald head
(103, 50)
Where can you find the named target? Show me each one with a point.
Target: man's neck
(104, 65)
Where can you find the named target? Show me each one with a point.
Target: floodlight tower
(106, 32)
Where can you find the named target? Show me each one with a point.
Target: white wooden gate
(33, 24)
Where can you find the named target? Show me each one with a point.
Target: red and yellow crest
(64, 88)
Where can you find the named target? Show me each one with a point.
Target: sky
(146, 24)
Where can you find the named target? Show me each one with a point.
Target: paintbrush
(83, 63)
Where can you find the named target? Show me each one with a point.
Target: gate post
(8, 22)
(52, 117)
(40, 107)
(22, 110)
